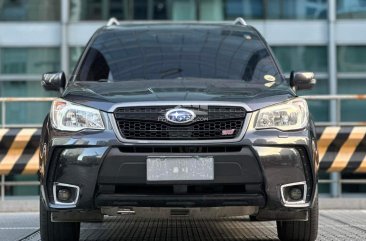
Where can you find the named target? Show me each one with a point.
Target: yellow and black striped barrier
(341, 149)
(19, 150)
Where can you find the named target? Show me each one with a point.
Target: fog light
(295, 193)
(63, 194)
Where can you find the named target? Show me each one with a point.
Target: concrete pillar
(335, 186)
(65, 5)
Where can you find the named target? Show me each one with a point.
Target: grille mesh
(149, 123)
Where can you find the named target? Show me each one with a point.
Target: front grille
(149, 123)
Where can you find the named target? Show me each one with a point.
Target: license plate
(180, 168)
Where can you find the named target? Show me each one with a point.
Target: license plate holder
(179, 168)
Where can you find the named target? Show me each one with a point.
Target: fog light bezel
(297, 203)
(74, 193)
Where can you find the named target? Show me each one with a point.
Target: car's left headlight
(288, 116)
(66, 116)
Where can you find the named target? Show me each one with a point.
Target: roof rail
(112, 21)
(240, 21)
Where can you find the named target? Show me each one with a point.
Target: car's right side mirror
(54, 81)
(302, 80)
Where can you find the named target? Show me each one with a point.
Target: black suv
(178, 119)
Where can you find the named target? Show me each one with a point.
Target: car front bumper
(246, 173)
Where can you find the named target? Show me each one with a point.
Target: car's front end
(130, 155)
(179, 145)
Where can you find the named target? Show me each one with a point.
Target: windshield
(179, 51)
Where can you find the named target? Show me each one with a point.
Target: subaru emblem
(180, 116)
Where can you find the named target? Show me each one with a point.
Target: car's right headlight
(66, 116)
(288, 116)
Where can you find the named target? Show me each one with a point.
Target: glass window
(98, 10)
(156, 9)
(324, 187)
(24, 10)
(319, 109)
(351, 58)
(29, 60)
(160, 53)
(28, 115)
(352, 110)
(22, 190)
(351, 9)
(264, 9)
(209, 10)
(302, 58)
(243, 8)
(75, 53)
(299, 9)
(353, 188)
(129, 9)
(183, 9)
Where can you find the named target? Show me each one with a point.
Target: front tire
(300, 230)
(58, 231)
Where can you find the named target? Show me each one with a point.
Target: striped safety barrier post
(342, 149)
(19, 150)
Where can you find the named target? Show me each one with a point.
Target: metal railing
(4, 100)
(336, 98)
(14, 184)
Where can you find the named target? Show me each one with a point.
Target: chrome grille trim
(162, 103)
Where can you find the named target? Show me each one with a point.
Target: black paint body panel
(95, 160)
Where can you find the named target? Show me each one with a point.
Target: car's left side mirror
(54, 81)
(302, 80)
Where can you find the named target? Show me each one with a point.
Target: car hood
(105, 95)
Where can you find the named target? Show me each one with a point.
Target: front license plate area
(190, 168)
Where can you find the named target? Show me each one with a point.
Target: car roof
(176, 26)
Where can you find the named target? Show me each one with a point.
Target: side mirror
(302, 80)
(54, 81)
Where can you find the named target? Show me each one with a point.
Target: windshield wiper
(171, 71)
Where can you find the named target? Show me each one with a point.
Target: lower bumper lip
(212, 200)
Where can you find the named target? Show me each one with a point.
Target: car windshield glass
(179, 51)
